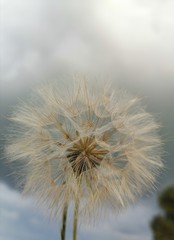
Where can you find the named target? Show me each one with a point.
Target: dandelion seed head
(92, 143)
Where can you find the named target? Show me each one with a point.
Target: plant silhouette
(163, 225)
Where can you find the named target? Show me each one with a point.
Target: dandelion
(90, 145)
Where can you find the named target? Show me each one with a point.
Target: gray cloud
(133, 223)
(131, 40)
(21, 220)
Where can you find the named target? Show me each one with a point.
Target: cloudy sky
(127, 41)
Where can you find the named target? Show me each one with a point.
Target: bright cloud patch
(132, 224)
(20, 220)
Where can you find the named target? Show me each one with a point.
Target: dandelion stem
(64, 217)
(76, 209)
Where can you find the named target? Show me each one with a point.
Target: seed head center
(85, 155)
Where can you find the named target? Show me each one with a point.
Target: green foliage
(163, 226)
(166, 201)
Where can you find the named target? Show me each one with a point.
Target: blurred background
(129, 42)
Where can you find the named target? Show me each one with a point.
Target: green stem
(64, 217)
(76, 210)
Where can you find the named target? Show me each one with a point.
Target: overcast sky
(127, 41)
(132, 40)
(20, 220)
